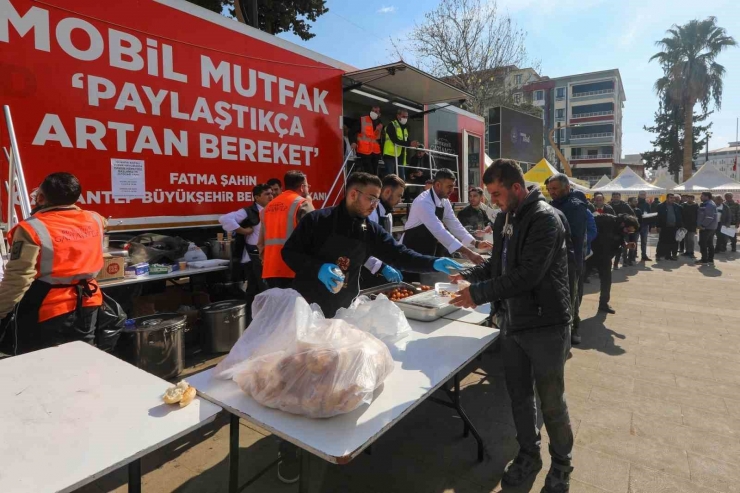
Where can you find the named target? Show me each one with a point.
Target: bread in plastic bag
(292, 358)
(379, 317)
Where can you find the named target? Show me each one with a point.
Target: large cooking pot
(220, 249)
(224, 323)
(155, 343)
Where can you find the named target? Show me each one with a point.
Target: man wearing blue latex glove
(329, 277)
(446, 265)
(391, 274)
(342, 236)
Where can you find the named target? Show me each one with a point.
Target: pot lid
(224, 306)
(158, 321)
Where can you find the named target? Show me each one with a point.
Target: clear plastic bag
(681, 234)
(292, 358)
(379, 317)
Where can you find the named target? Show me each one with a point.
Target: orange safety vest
(278, 222)
(367, 142)
(71, 250)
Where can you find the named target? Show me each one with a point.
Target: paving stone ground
(653, 393)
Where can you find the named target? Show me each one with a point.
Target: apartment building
(588, 110)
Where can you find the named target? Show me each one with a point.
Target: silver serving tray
(426, 306)
(383, 288)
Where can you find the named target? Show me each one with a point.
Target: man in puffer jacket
(573, 204)
(526, 280)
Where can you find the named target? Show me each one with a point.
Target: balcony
(592, 157)
(592, 114)
(592, 136)
(592, 93)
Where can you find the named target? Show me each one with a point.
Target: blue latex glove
(391, 274)
(445, 264)
(329, 278)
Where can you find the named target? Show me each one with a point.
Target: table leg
(234, 454)
(303, 481)
(468, 426)
(134, 476)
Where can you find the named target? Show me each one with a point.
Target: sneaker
(700, 262)
(575, 336)
(710, 263)
(646, 259)
(673, 257)
(521, 468)
(607, 308)
(289, 469)
(558, 478)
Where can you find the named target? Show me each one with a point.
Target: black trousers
(733, 239)
(255, 284)
(535, 359)
(279, 282)
(604, 267)
(25, 334)
(667, 244)
(706, 245)
(367, 163)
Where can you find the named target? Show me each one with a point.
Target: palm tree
(691, 73)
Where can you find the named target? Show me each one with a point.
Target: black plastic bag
(110, 323)
(153, 248)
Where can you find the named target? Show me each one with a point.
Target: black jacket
(473, 219)
(689, 214)
(607, 209)
(533, 291)
(663, 215)
(316, 227)
(609, 239)
(622, 207)
(644, 206)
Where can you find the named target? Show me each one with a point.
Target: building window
(518, 79)
(539, 95)
(517, 98)
(560, 114)
(560, 93)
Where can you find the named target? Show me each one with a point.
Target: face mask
(373, 115)
(403, 121)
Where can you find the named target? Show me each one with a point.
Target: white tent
(709, 178)
(630, 182)
(604, 180)
(665, 181)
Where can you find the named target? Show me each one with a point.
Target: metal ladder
(15, 186)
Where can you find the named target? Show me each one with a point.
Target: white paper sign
(729, 231)
(127, 178)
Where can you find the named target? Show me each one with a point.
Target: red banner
(162, 112)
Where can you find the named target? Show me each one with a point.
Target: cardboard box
(136, 270)
(113, 268)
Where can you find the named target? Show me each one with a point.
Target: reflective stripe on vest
(366, 141)
(391, 149)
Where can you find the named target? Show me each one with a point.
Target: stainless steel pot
(157, 344)
(224, 323)
(220, 249)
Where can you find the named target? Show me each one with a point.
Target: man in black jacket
(645, 224)
(620, 207)
(473, 217)
(610, 239)
(689, 214)
(526, 280)
(670, 220)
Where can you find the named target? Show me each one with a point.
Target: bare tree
(471, 45)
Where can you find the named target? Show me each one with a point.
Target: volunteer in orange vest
(365, 140)
(49, 283)
(279, 218)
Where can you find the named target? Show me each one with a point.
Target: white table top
(158, 277)
(72, 413)
(424, 360)
(475, 315)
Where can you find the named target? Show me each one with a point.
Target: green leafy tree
(691, 74)
(668, 145)
(275, 16)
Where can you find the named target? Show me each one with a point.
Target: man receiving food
(329, 247)
(433, 229)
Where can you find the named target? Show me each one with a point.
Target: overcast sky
(567, 36)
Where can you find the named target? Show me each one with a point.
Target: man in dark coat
(689, 214)
(526, 280)
(609, 240)
(620, 207)
(645, 224)
(670, 220)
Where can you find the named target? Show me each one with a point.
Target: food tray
(373, 292)
(427, 306)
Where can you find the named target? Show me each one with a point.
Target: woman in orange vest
(49, 280)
